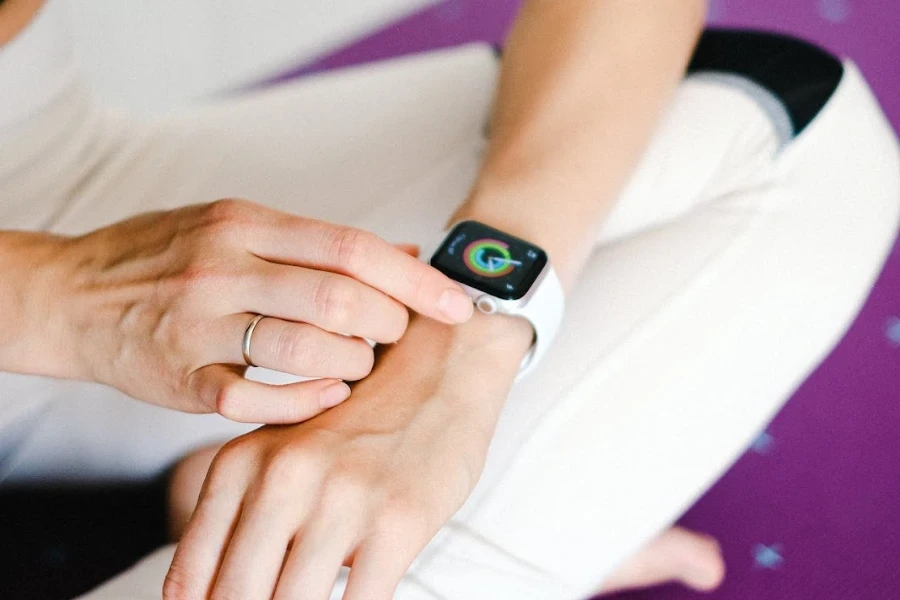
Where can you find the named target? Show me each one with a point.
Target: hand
(157, 306)
(366, 484)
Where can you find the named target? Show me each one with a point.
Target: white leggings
(729, 268)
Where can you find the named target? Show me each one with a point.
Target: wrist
(530, 208)
(500, 338)
(489, 202)
(491, 346)
(462, 371)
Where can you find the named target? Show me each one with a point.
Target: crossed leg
(710, 296)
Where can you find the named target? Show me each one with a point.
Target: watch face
(489, 260)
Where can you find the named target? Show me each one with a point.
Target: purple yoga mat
(811, 510)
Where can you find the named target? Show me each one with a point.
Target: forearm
(27, 265)
(24, 257)
(583, 85)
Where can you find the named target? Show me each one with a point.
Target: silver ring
(248, 335)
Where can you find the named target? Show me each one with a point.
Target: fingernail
(334, 395)
(455, 305)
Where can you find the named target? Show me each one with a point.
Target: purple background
(811, 509)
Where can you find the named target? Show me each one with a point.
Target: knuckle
(350, 359)
(336, 301)
(226, 221)
(293, 348)
(425, 285)
(304, 456)
(230, 453)
(228, 401)
(235, 456)
(228, 456)
(225, 210)
(352, 247)
(290, 463)
(419, 279)
(281, 468)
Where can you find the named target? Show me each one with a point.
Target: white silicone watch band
(545, 313)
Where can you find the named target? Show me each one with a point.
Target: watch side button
(486, 304)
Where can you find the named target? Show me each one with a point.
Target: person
(712, 226)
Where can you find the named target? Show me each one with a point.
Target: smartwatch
(506, 275)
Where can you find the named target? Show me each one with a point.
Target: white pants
(727, 271)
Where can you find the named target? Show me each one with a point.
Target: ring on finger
(248, 336)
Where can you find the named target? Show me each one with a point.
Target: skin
(191, 280)
(369, 483)
(676, 555)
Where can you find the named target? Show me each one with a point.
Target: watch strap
(545, 313)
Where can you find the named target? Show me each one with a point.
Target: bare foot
(678, 554)
(184, 488)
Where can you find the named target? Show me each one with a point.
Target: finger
(256, 552)
(368, 258)
(336, 303)
(411, 249)
(203, 544)
(223, 389)
(376, 571)
(295, 348)
(315, 560)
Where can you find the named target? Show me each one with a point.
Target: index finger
(369, 259)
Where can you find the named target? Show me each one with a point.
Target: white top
(35, 66)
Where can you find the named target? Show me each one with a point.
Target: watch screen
(489, 260)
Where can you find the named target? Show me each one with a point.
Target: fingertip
(399, 327)
(366, 362)
(455, 306)
(333, 395)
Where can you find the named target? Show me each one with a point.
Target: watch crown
(486, 304)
